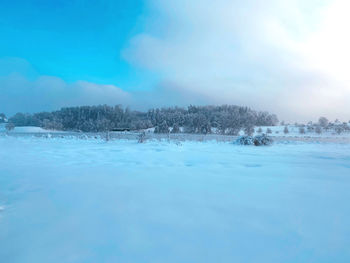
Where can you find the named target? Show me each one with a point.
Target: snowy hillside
(69, 200)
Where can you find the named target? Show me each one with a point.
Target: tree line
(225, 119)
(324, 124)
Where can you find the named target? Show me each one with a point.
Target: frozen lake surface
(74, 200)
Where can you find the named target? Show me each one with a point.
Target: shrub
(245, 140)
(259, 140)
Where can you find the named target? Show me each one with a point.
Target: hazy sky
(289, 57)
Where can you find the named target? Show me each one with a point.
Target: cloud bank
(23, 90)
(290, 57)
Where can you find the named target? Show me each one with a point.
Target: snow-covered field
(293, 131)
(27, 129)
(72, 200)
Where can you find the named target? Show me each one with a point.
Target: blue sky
(73, 40)
(289, 57)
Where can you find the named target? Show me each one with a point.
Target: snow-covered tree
(176, 128)
(249, 130)
(323, 122)
(194, 119)
(162, 128)
(318, 129)
(339, 129)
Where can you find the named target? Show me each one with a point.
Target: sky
(289, 57)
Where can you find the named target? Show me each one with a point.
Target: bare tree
(142, 137)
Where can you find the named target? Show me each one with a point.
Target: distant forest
(226, 119)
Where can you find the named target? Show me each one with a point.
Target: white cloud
(290, 57)
(22, 89)
(23, 93)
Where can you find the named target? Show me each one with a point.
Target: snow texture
(71, 200)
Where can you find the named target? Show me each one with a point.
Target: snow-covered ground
(71, 200)
(27, 129)
(293, 131)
